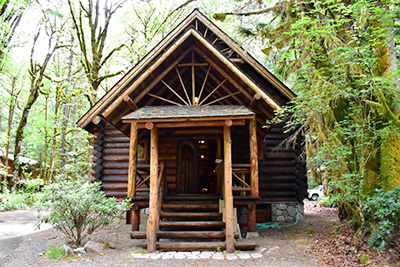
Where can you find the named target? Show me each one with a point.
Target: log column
(229, 220)
(132, 160)
(133, 214)
(251, 211)
(152, 223)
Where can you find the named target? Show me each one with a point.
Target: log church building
(183, 136)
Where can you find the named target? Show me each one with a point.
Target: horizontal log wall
(111, 160)
(282, 172)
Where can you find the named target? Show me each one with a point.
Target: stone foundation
(286, 212)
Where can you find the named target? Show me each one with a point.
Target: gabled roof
(220, 63)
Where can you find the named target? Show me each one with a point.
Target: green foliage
(56, 253)
(383, 213)
(16, 201)
(32, 185)
(77, 208)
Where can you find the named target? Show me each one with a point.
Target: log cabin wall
(282, 172)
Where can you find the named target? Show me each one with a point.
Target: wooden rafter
(204, 82)
(183, 85)
(164, 99)
(212, 92)
(193, 81)
(175, 93)
(159, 77)
(221, 98)
(192, 64)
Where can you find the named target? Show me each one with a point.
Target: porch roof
(187, 112)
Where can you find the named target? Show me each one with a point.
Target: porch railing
(241, 178)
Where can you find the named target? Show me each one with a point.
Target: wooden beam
(213, 91)
(175, 93)
(188, 124)
(204, 82)
(142, 77)
(130, 103)
(254, 101)
(164, 99)
(253, 158)
(228, 196)
(183, 85)
(149, 125)
(237, 60)
(248, 58)
(132, 160)
(251, 217)
(238, 72)
(159, 77)
(193, 81)
(222, 98)
(96, 120)
(152, 224)
(192, 64)
(121, 85)
(228, 123)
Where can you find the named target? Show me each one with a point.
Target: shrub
(77, 209)
(382, 212)
(31, 185)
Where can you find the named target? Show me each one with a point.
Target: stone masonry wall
(286, 212)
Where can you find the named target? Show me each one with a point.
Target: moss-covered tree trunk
(390, 162)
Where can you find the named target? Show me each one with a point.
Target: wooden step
(190, 246)
(183, 234)
(193, 215)
(190, 206)
(194, 224)
(191, 234)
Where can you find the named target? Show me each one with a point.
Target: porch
(208, 184)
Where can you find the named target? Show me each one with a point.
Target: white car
(315, 193)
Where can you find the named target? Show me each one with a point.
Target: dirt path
(286, 246)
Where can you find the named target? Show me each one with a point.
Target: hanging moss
(219, 16)
(390, 162)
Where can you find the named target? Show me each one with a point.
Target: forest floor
(318, 240)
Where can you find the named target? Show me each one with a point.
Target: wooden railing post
(152, 223)
(228, 196)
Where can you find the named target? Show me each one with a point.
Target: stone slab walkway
(196, 255)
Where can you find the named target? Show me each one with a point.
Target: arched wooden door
(187, 182)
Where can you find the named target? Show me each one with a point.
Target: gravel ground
(286, 246)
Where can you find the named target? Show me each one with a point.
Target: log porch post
(152, 223)
(229, 220)
(132, 214)
(132, 160)
(251, 211)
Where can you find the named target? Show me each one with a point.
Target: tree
(341, 58)
(37, 75)
(93, 57)
(10, 14)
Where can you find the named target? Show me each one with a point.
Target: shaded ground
(312, 242)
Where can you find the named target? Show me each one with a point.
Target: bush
(31, 185)
(382, 212)
(77, 209)
(16, 201)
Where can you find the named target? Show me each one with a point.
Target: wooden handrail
(239, 172)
